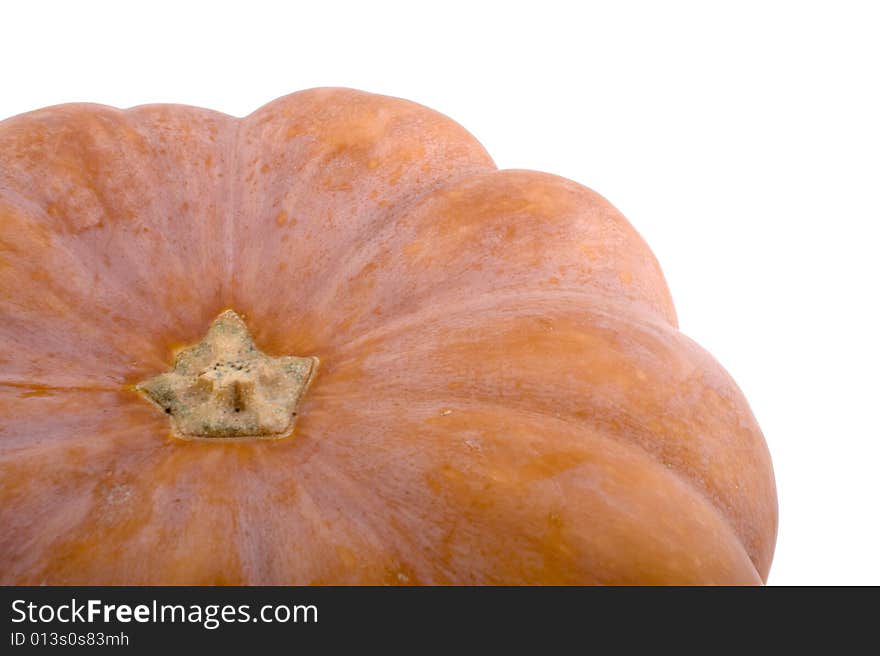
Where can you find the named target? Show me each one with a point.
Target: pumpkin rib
(297, 169)
(216, 159)
(127, 295)
(695, 483)
(341, 275)
(33, 289)
(717, 502)
(466, 428)
(46, 492)
(694, 429)
(40, 325)
(396, 265)
(175, 466)
(435, 308)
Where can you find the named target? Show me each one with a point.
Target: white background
(741, 139)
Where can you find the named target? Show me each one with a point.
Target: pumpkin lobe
(225, 387)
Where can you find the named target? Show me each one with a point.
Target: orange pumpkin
(435, 371)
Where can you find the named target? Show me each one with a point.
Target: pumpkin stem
(224, 387)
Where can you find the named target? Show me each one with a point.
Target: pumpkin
(331, 343)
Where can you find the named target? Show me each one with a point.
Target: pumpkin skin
(503, 396)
